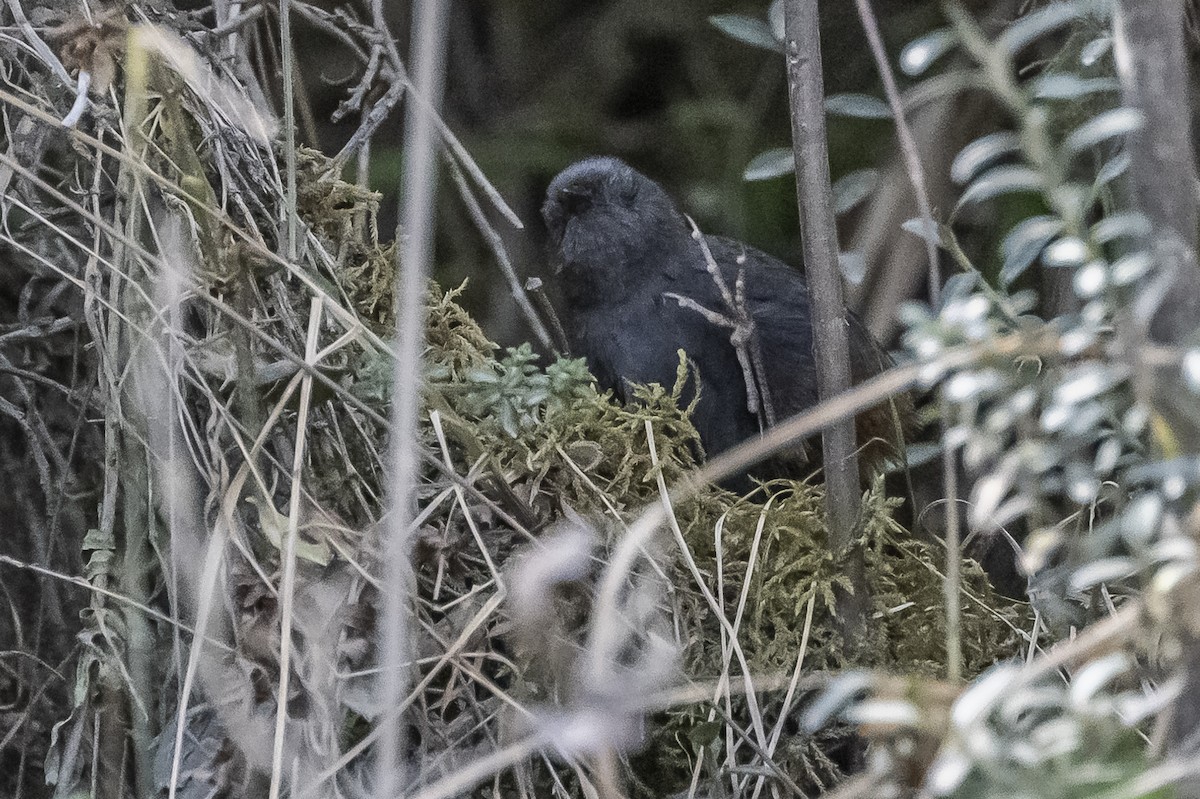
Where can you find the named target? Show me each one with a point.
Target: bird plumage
(638, 288)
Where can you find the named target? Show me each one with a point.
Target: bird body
(639, 287)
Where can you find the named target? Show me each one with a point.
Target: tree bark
(831, 345)
(1152, 62)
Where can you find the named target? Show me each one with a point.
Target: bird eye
(574, 199)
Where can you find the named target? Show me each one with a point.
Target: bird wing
(776, 297)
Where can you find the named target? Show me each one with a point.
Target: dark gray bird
(638, 287)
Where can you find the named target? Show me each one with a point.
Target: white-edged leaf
(1096, 676)
(948, 771)
(980, 697)
(889, 712)
(1129, 224)
(772, 163)
(981, 154)
(1010, 510)
(1024, 243)
(1129, 269)
(1094, 50)
(1106, 570)
(859, 106)
(1085, 382)
(919, 54)
(775, 19)
(999, 181)
(951, 83)
(852, 188)
(853, 266)
(1065, 86)
(959, 286)
(1091, 279)
(1032, 27)
(842, 692)
(920, 227)
(1069, 251)
(749, 30)
(1113, 169)
(990, 490)
(1105, 126)
(921, 453)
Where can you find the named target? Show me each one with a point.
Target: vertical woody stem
(831, 345)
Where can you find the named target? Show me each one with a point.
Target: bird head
(609, 226)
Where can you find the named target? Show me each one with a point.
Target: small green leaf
(1113, 169)
(852, 188)
(770, 164)
(959, 286)
(1094, 50)
(1025, 243)
(999, 181)
(858, 106)
(1065, 86)
(1034, 26)
(919, 54)
(1108, 125)
(1129, 224)
(748, 30)
(920, 227)
(853, 266)
(920, 454)
(481, 375)
(981, 154)
(508, 420)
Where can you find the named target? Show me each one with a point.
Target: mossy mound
(555, 444)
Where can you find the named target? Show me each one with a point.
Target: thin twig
(537, 289)
(81, 100)
(39, 45)
(235, 23)
(952, 585)
(287, 588)
(415, 253)
(916, 175)
(292, 222)
(908, 144)
(496, 244)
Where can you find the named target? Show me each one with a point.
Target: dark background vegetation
(534, 86)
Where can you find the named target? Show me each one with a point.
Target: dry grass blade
(413, 264)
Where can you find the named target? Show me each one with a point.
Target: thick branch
(1152, 60)
(831, 344)
(1153, 66)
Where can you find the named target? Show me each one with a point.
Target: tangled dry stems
(147, 239)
